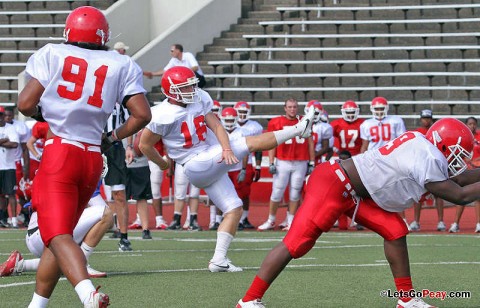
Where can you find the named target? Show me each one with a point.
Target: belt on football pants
(342, 175)
(91, 148)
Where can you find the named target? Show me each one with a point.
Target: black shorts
(138, 183)
(8, 182)
(117, 169)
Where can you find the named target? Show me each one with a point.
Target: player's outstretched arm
(451, 191)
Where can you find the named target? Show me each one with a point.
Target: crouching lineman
(373, 188)
(182, 122)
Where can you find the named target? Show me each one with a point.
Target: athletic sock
(124, 236)
(30, 265)
(83, 289)
(87, 250)
(404, 284)
(223, 242)
(244, 215)
(38, 301)
(257, 289)
(272, 218)
(287, 133)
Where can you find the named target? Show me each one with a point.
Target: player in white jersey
(249, 175)
(182, 121)
(322, 132)
(382, 128)
(372, 188)
(74, 86)
(95, 221)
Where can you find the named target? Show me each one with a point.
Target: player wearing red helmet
(249, 174)
(182, 121)
(382, 128)
(68, 88)
(373, 188)
(321, 133)
(217, 108)
(347, 129)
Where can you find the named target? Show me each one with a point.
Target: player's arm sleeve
(38, 66)
(133, 83)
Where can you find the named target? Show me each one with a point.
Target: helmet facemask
(243, 115)
(186, 97)
(456, 157)
(350, 114)
(379, 111)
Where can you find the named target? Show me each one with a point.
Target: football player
(347, 128)
(289, 163)
(182, 121)
(321, 132)
(249, 175)
(372, 188)
(68, 88)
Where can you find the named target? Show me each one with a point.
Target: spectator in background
(181, 58)
(289, 163)
(22, 158)
(9, 141)
(474, 163)
(121, 48)
(426, 121)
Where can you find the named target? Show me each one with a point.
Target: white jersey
(24, 134)
(82, 87)
(321, 131)
(237, 133)
(251, 128)
(8, 155)
(395, 175)
(380, 132)
(183, 129)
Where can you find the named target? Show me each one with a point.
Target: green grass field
(345, 269)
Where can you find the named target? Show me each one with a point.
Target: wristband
(311, 163)
(258, 167)
(130, 146)
(227, 150)
(112, 136)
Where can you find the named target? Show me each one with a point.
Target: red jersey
(348, 135)
(293, 149)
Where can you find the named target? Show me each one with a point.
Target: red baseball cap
(2, 109)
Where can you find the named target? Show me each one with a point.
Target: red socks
(256, 290)
(404, 284)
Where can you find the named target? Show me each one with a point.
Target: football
(136, 142)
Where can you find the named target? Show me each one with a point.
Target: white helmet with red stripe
(217, 108)
(379, 107)
(229, 118)
(350, 111)
(317, 105)
(243, 109)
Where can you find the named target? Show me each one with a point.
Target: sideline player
(372, 188)
(182, 121)
(74, 86)
(347, 128)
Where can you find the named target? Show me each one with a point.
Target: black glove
(241, 175)
(256, 176)
(311, 166)
(107, 141)
(272, 169)
(38, 116)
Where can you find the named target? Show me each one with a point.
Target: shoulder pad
(166, 113)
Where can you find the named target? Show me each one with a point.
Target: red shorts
(328, 195)
(65, 182)
(243, 188)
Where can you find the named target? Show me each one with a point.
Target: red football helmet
(177, 78)
(317, 105)
(350, 111)
(86, 24)
(379, 107)
(455, 140)
(217, 108)
(229, 118)
(26, 188)
(243, 109)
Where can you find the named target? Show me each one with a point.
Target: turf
(345, 269)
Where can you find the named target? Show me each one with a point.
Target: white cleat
(414, 226)
(477, 228)
(454, 228)
(93, 273)
(268, 225)
(441, 226)
(305, 124)
(97, 300)
(413, 303)
(225, 266)
(251, 304)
